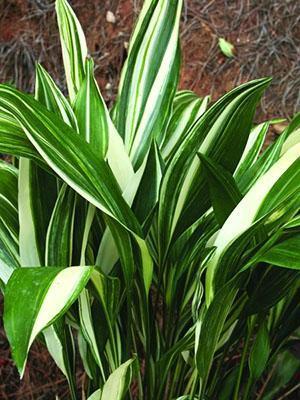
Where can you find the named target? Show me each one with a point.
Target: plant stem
(284, 396)
(245, 350)
(248, 388)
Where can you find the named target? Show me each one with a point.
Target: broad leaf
(46, 294)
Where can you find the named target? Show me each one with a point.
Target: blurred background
(265, 35)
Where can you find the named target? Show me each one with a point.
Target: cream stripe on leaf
(149, 78)
(260, 199)
(215, 134)
(74, 49)
(74, 160)
(187, 108)
(47, 294)
(90, 112)
(47, 92)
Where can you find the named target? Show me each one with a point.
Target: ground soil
(266, 37)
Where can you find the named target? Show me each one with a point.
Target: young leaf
(46, 294)
(253, 147)
(187, 108)
(118, 382)
(149, 77)
(74, 49)
(47, 92)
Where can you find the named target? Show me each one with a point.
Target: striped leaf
(260, 198)
(47, 293)
(47, 92)
(213, 134)
(59, 241)
(187, 108)
(14, 141)
(9, 253)
(149, 77)
(9, 198)
(253, 147)
(74, 49)
(67, 153)
(284, 254)
(90, 111)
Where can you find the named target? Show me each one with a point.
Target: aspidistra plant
(156, 235)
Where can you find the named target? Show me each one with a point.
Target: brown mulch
(266, 36)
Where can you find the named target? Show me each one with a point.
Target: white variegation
(27, 236)
(58, 297)
(239, 220)
(74, 48)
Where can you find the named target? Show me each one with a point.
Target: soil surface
(266, 39)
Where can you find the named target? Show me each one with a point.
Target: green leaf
(70, 156)
(59, 242)
(260, 352)
(286, 366)
(9, 253)
(211, 326)
(44, 294)
(224, 192)
(90, 111)
(187, 108)
(118, 382)
(257, 201)
(74, 49)
(272, 286)
(226, 48)
(13, 140)
(148, 190)
(149, 77)
(213, 134)
(253, 148)
(9, 198)
(284, 254)
(47, 92)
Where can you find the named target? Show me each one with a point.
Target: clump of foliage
(156, 236)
